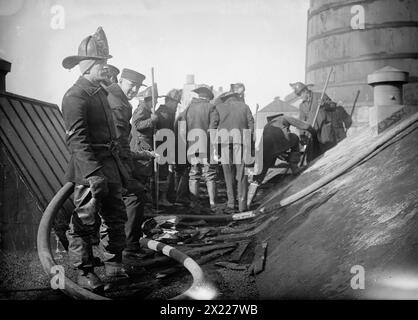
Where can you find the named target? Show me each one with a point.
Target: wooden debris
(239, 251)
(192, 237)
(245, 235)
(259, 260)
(200, 244)
(193, 223)
(213, 255)
(210, 248)
(232, 266)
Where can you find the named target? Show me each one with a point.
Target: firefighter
(94, 167)
(234, 117)
(341, 122)
(201, 116)
(133, 196)
(278, 141)
(325, 138)
(166, 114)
(239, 88)
(113, 73)
(182, 167)
(144, 121)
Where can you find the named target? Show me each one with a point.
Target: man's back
(234, 114)
(201, 114)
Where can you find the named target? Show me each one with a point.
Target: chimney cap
(387, 74)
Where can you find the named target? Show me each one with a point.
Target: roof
(366, 217)
(33, 134)
(279, 106)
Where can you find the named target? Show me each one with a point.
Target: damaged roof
(364, 221)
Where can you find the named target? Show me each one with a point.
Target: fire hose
(75, 291)
(200, 288)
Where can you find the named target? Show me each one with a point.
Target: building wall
(388, 38)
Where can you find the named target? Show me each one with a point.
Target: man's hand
(154, 118)
(304, 139)
(311, 130)
(98, 186)
(134, 186)
(152, 154)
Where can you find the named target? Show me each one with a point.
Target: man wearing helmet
(95, 167)
(325, 138)
(112, 74)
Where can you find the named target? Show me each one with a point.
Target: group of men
(113, 160)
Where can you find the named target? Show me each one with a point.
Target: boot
(87, 279)
(194, 191)
(182, 194)
(211, 185)
(163, 201)
(252, 190)
(115, 270)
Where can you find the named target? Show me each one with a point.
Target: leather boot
(211, 185)
(113, 265)
(163, 201)
(194, 190)
(87, 279)
(115, 270)
(252, 190)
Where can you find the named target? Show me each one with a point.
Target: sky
(261, 43)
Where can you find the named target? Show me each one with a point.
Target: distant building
(275, 107)
(187, 93)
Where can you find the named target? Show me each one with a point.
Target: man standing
(234, 117)
(142, 132)
(325, 136)
(95, 166)
(239, 89)
(119, 96)
(112, 74)
(341, 122)
(278, 140)
(201, 116)
(166, 114)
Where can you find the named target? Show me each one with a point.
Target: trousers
(82, 233)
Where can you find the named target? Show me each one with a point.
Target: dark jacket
(323, 124)
(235, 114)
(201, 114)
(341, 122)
(142, 128)
(89, 129)
(277, 137)
(166, 117)
(122, 114)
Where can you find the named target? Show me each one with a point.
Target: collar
(168, 109)
(309, 97)
(88, 87)
(200, 99)
(232, 98)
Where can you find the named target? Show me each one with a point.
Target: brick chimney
(5, 67)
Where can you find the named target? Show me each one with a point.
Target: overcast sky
(258, 42)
